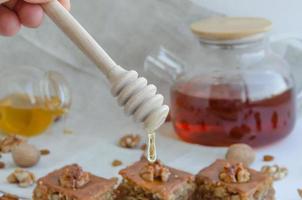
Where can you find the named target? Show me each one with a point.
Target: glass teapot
(31, 99)
(240, 92)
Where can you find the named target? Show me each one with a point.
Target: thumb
(65, 3)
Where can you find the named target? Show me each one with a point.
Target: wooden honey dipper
(138, 98)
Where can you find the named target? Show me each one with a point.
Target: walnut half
(21, 177)
(74, 177)
(155, 171)
(235, 174)
(9, 142)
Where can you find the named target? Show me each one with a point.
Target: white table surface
(95, 150)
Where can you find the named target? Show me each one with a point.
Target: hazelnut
(26, 155)
(241, 153)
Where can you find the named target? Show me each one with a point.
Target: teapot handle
(289, 47)
(163, 65)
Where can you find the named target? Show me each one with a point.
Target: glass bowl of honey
(240, 91)
(31, 100)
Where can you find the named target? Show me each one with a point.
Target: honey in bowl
(27, 117)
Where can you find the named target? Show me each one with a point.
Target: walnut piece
(2, 165)
(130, 141)
(8, 196)
(235, 174)
(275, 171)
(268, 158)
(116, 163)
(155, 171)
(9, 142)
(44, 152)
(143, 147)
(21, 177)
(74, 177)
(300, 192)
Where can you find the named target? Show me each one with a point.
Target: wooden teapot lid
(230, 28)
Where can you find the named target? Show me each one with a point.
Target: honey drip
(27, 117)
(151, 153)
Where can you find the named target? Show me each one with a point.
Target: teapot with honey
(240, 92)
(31, 100)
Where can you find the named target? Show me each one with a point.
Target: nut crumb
(276, 172)
(300, 192)
(67, 131)
(268, 158)
(44, 152)
(10, 142)
(22, 178)
(155, 171)
(116, 163)
(7, 196)
(74, 177)
(235, 174)
(143, 147)
(2, 165)
(130, 141)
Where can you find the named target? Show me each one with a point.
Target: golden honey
(151, 147)
(22, 115)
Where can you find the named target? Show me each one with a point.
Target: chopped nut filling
(130, 141)
(155, 171)
(276, 172)
(235, 174)
(74, 177)
(21, 177)
(9, 142)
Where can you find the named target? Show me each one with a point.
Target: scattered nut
(7, 196)
(2, 165)
(74, 177)
(241, 153)
(21, 177)
(276, 172)
(268, 158)
(116, 163)
(155, 171)
(9, 142)
(235, 174)
(130, 141)
(143, 147)
(300, 192)
(67, 131)
(44, 152)
(26, 155)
